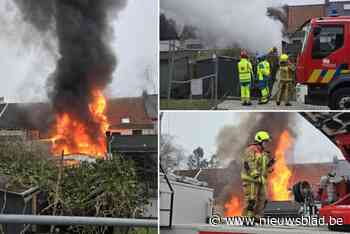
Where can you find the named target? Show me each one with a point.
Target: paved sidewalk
(236, 105)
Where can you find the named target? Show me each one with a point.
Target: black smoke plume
(167, 28)
(86, 61)
(232, 139)
(280, 14)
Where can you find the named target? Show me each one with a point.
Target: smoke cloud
(232, 140)
(226, 23)
(86, 62)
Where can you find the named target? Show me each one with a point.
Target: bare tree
(171, 155)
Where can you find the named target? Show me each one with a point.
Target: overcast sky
(302, 2)
(25, 65)
(192, 129)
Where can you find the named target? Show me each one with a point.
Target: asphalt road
(236, 105)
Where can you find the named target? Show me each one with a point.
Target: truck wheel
(340, 99)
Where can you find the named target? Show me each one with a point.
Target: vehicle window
(306, 31)
(330, 39)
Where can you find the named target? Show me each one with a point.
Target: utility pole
(171, 60)
(216, 79)
(215, 82)
(160, 136)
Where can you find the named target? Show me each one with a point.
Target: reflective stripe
(267, 68)
(328, 77)
(245, 77)
(314, 76)
(261, 69)
(323, 73)
(244, 69)
(252, 191)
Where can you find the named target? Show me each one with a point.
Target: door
(327, 53)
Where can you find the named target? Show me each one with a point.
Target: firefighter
(245, 70)
(285, 77)
(273, 59)
(263, 75)
(328, 184)
(252, 175)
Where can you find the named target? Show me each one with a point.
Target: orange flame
(71, 136)
(233, 207)
(280, 177)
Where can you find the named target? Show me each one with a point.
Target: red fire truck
(324, 61)
(335, 126)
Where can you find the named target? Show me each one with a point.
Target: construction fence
(213, 78)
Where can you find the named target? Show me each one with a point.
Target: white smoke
(228, 22)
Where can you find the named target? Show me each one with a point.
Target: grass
(185, 104)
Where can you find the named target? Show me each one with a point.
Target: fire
(71, 135)
(233, 207)
(280, 177)
(278, 180)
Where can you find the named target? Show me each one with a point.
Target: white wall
(190, 203)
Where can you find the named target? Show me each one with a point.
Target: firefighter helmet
(261, 56)
(244, 54)
(284, 58)
(262, 136)
(273, 50)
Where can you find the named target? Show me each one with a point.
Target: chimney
(2, 100)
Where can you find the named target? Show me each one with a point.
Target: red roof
(132, 108)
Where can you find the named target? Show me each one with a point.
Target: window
(327, 39)
(148, 132)
(125, 120)
(306, 30)
(136, 132)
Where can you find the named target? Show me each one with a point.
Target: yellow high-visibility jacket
(245, 70)
(264, 70)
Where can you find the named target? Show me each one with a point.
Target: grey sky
(193, 129)
(25, 65)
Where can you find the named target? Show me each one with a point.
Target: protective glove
(271, 162)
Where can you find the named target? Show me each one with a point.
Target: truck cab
(324, 62)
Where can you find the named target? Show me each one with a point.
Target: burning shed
(34, 121)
